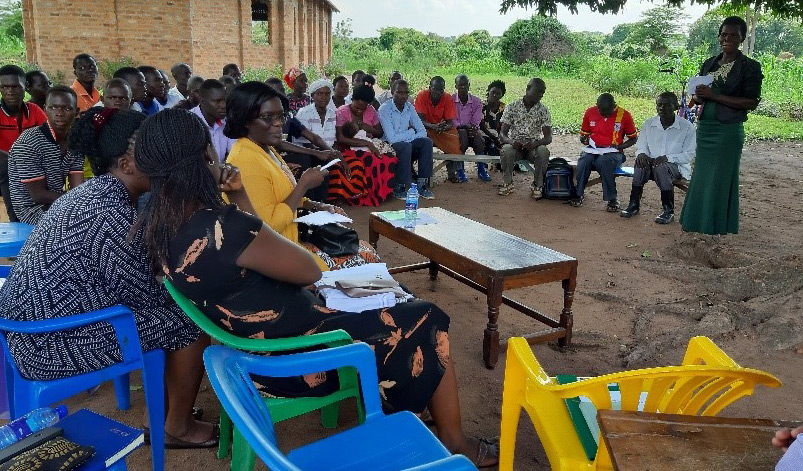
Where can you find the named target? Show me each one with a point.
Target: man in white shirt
(212, 111)
(181, 73)
(664, 152)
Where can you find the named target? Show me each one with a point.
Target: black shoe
(613, 206)
(633, 206)
(631, 210)
(666, 217)
(668, 203)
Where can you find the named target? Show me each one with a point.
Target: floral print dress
(410, 340)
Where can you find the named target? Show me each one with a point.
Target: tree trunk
(752, 18)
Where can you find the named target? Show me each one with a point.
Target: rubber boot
(482, 172)
(668, 202)
(635, 202)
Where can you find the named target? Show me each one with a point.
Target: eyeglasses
(271, 118)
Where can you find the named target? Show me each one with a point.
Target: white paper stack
(336, 299)
(319, 218)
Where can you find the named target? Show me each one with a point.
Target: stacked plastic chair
(706, 382)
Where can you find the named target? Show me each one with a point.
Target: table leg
(566, 316)
(433, 270)
(490, 343)
(373, 236)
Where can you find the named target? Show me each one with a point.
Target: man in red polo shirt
(604, 126)
(15, 117)
(437, 113)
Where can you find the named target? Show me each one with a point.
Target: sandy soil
(642, 291)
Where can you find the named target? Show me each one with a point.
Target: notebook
(112, 440)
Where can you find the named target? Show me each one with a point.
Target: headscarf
(292, 75)
(319, 84)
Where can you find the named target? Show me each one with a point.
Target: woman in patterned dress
(250, 280)
(84, 256)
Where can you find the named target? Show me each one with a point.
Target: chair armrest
(334, 338)
(356, 355)
(120, 317)
(452, 463)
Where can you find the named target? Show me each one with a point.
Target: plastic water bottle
(411, 207)
(30, 423)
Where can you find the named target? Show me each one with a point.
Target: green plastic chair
(281, 408)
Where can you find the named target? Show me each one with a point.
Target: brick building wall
(207, 34)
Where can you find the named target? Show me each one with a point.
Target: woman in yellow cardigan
(274, 191)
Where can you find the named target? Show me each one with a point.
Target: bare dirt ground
(642, 291)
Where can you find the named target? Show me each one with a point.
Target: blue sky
(441, 17)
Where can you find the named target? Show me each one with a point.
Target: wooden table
(662, 442)
(489, 261)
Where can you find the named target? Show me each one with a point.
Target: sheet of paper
(599, 150)
(331, 162)
(698, 80)
(421, 219)
(319, 218)
(392, 215)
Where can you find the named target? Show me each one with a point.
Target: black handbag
(335, 240)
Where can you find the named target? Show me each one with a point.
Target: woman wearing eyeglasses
(254, 116)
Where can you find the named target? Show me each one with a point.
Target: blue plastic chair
(25, 395)
(395, 442)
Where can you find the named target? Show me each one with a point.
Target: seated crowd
(145, 179)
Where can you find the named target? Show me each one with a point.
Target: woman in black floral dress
(250, 280)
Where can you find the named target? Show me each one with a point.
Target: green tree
(619, 33)
(656, 28)
(773, 34)
(784, 8)
(11, 19)
(343, 30)
(540, 38)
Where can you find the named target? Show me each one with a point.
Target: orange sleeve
(449, 111)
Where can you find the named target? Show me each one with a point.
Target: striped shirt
(37, 156)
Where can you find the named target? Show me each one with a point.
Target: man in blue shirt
(405, 132)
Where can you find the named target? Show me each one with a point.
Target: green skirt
(712, 202)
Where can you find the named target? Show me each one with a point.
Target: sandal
(486, 448)
(576, 202)
(173, 443)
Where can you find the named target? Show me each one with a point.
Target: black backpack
(558, 182)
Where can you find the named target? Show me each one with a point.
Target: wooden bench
(486, 159)
(682, 184)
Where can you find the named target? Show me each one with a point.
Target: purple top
(221, 143)
(470, 113)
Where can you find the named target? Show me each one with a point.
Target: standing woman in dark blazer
(712, 202)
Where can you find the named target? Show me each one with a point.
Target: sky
(440, 17)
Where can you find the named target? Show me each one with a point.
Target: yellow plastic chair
(706, 382)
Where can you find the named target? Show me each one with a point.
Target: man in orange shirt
(436, 109)
(86, 72)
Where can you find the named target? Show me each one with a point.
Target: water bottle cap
(62, 411)
(413, 185)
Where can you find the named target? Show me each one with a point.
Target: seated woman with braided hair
(84, 256)
(251, 281)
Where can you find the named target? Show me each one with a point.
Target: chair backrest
(205, 323)
(230, 373)
(706, 383)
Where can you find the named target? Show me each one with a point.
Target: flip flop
(486, 448)
(173, 443)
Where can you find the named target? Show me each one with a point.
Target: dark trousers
(12, 216)
(419, 149)
(477, 143)
(664, 175)
(605, 165)
(320, 192)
